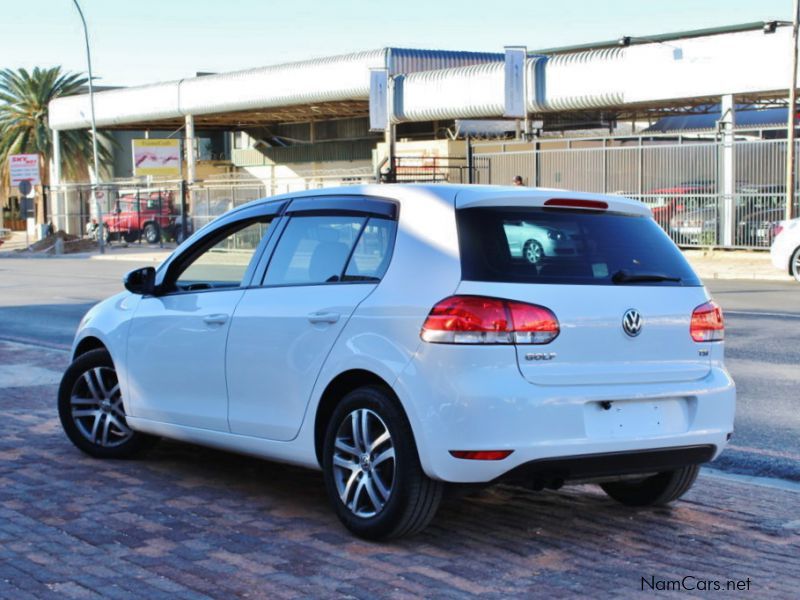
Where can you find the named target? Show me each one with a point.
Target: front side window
(224, 262)
(314, 250)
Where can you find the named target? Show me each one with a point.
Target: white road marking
(769, 482)
(753, 313)
(26, 375)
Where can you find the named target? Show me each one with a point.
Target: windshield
(543, 245)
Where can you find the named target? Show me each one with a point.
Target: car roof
(466, 195)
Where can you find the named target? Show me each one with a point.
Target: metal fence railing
(167, 211)
(682, 182)
(697, 194)
(438, 169)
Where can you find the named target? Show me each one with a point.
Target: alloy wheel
(364, 463)
(533, 252)
(96, 408)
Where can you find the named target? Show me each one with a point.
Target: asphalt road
(43, 300)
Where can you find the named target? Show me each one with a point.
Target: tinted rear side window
(542, 245)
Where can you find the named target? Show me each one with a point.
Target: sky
(144, 41)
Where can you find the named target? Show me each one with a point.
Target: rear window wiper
(624, 276)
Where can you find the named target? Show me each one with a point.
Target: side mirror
(141, 281)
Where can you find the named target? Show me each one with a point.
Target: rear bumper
(608, 464)
(474, 398)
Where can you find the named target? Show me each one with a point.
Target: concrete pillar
(191, 154)
(727, 183)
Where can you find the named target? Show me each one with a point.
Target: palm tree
(24, 100)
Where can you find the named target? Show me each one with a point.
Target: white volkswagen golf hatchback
(392, 336)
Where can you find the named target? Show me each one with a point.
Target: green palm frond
(24, 100)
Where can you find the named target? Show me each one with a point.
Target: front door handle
(323, 317)
(219, 319)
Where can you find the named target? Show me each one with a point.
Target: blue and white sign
(378, 99)
(515, 80)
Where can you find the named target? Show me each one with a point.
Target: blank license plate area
(633, 418)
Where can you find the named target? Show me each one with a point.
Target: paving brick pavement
(188, 522)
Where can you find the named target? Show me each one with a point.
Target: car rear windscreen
(544, 245)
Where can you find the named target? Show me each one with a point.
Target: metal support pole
(191, 155)
(728, 176)
(790, 126)
(184, 229)
(57, 201)
(640, 170)
(470, 165)
(96, 174)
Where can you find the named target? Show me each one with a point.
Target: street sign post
(24, 167)
(24, 187)
(23, 170)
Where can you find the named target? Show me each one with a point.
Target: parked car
(759, 210)
(785, 250)
(759, 227)
(533, 243)
(148, 215)
(390, 336)
(697, 226)
(669, 203)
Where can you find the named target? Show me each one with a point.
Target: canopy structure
(631, 77)
(324, 88)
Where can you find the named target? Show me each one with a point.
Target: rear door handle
(218, 319)
(323, 317)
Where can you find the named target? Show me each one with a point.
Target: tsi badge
(632, 322)
(540, 356)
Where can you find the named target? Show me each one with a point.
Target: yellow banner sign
(159, 158)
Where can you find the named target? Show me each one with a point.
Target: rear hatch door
(596, 270)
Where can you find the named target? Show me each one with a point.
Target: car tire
(794, 264)
(533, 252)
(132, 236)
(377, 488)
(655, 490)
(152, 233)
(91, 410)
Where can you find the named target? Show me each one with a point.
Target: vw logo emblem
(632, 322)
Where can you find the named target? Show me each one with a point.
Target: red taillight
(481, 320)
(707, 323)
(574, 203)
(481, 454)
(776, 229)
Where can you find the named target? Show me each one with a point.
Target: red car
(667, 202)
(149, 215)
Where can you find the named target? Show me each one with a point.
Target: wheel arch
(88, 344)
(337, 389)
(791, 259)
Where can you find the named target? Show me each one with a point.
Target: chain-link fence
(681, 181)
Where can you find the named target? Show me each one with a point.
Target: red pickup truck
(149, 215)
